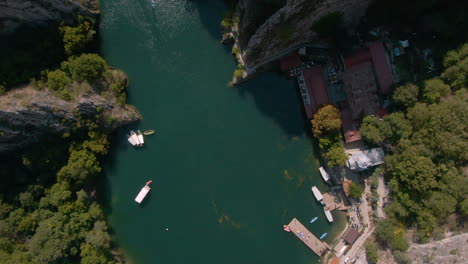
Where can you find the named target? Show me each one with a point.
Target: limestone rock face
(27, 115)
(17, 13)
(265, 44)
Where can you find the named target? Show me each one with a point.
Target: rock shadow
(277, 98)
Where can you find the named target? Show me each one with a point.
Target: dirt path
(381, 190)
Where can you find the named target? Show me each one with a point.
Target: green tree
(371, 252)
(76, 38)
(355, 190)
(373, 130)
(52, 240)
(87, 67)
(99, 237)
(326, 120)
(441, 204)
(329, 24)
(384, 232)
(406, 95)
(81, 165)
(336, 156)
(434, 89)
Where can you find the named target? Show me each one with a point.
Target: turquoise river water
(230, 165)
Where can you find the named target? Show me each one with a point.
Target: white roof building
(361, 160)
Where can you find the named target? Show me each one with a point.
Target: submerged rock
(27, 115)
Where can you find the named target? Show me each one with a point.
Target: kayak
(323, 236)
(314, 219)
(149, 132)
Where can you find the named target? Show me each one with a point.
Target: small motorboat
(323, 236)
(149, 132)
(144, 191)
(314, 219)
(153, 4)
(140, 138)
(286, 228)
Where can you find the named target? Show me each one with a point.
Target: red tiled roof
(381, 67)
(317, 89)
(359, 56)
(291, 60)
(350, 128)
(335, 260)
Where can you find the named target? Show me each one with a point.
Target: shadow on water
(278, 101)
(211, 13)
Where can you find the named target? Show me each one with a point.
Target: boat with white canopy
(324, 173)
(144, 191)
(328, 215)
(317, 194)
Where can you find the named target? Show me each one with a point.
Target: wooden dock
(299, 230)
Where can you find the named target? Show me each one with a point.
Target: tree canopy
(426, 149)
(326, 120)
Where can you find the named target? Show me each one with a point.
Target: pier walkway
(298, 229)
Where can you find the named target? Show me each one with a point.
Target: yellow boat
(149, 132)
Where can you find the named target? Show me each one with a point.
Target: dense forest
(426, 141)
(48, 208)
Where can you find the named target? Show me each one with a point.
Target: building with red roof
(290, 61)
(359, 56)
(381, 67)
(316, 90)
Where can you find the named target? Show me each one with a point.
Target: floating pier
(318, 247)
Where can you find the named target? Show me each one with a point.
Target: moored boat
(328, 215)
(133, 139)
(144, 191)
(140, 137)
(314, 219)
(286, 228)
(317, 194)
(324, 173)
(153, 4)
(149, 132)
(323, 236)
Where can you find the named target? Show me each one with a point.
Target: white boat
(317, 194)
(324, 174)
(140, 137)
(144, 191)
(328, 215)
(133, 139)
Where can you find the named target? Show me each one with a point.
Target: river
(230, 165)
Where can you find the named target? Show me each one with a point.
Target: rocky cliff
(27, 115)
(266, 37)
(17, 13)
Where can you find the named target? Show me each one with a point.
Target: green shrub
(328, 25)
(401, 257)
(58, 80)
(2, 90)
(75, 39)
(227, 22)
(371, 252)
(238, 73)
(355, 190)
(235, 50)
(285, 31)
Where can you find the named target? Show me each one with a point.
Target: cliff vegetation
(53, 138)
